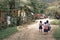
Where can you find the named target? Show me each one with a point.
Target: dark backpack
(49, 28)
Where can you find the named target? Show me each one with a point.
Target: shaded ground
(32, 33)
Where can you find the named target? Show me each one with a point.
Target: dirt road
(32, 33)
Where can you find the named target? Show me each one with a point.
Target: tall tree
(38, 7)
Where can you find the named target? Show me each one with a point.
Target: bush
(55, 22)
(7, 32)
(57, 15)
(57, 34)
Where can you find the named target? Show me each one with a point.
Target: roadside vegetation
(55, 22)
(7, 32)
(56, 33)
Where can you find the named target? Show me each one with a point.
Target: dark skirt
(40, 27)
(45, 30)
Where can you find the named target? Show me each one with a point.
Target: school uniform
(40, 26)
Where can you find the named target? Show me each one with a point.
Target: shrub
(57, 34)
(55, 22)
(7, 32)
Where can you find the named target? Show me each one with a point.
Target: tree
(3, 11)
(57, 15)
(38, 7)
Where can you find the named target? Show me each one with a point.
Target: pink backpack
(45, 26)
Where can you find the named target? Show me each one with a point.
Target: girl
(46, 28)
(49, 27)
(40, 26)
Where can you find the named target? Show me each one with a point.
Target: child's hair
(44, 22)
(40, 21)
(47, 21)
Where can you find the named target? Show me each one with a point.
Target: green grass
(7, 32)
(57, 34)
(55, 22)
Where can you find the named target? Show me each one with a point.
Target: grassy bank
(57, 34)
(7, 32)
(55, 22)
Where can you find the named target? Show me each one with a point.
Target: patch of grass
(55, 22)
(7, 32)
(57, 34)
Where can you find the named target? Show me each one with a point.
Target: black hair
(44, 22)
(47, 21)
(40, 21)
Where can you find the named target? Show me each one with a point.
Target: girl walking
(49, 27)
(45, 28)
(40, 26)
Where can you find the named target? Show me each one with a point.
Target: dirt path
(32, 33)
